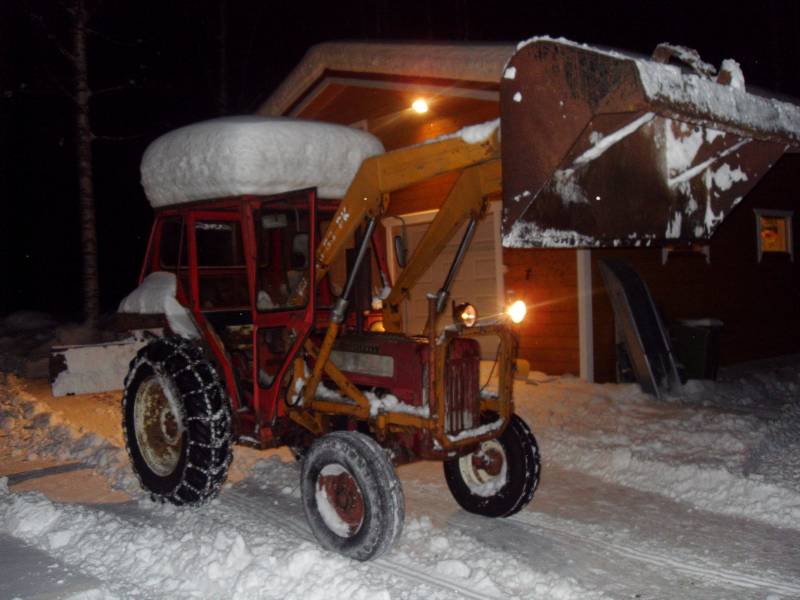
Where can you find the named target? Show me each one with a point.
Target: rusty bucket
(602, 149)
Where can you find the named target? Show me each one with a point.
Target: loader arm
(466, 199)
(368, 196)
(386, 173)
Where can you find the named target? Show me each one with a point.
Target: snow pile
(156, 295)
(471, 134)
(391, 403)
(524, 234)
(31, 431)
(378, 403)
(476, 134)
(713, 458)
(732, 70)
(235, 156)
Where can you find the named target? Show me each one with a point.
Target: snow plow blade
(604, 149)
(92, 368)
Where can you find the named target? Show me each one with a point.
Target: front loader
(267, 340)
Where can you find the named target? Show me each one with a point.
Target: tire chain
(217, 420)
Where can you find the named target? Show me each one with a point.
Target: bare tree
(78, 58)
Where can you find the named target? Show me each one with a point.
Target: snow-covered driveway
(638, 499)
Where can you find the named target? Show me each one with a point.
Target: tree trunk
(91, 290)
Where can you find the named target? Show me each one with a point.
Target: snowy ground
(697, 497)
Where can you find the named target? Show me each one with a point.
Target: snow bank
(31, 431)
(710, 457)
(253, 155)
(156, 295)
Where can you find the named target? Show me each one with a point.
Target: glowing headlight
(465, 313)
(517, 311)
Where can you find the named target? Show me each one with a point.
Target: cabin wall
(758, 302)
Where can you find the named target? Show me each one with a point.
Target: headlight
(517, 311)
(465, 313)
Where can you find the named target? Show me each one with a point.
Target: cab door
(284, 248)
(220, 294)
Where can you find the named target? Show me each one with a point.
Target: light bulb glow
(420, 106)
(469, 315)
(517, 311)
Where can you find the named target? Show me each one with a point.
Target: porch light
(517, 311)
(420, 106)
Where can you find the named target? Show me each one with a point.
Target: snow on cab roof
(257, 155)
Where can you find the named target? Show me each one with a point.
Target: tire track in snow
(720, 575)
(413, 573)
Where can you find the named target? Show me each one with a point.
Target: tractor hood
(604, 149)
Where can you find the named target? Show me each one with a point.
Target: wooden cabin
(747, 276)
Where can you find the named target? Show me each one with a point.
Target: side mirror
(400, 250)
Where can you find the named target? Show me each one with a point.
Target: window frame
(787, 216)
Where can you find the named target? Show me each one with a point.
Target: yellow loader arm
(367, 196)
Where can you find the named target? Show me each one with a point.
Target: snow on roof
(727, 103)
(469, 62)
(234, 156)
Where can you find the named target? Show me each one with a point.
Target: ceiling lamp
(419, 105)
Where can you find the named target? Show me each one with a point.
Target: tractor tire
(499, 478)
(352, 497)
(176, 422)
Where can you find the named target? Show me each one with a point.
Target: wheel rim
(340, 500)
(485, 471)
(159, 426)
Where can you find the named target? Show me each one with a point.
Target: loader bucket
(604, 149)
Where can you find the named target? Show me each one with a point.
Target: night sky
(155, 66)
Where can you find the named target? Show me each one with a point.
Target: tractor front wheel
(176, 422)
(351, 495)
(499, 478)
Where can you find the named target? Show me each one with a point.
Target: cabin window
(221, 273)
(284, 251)
(774, 232)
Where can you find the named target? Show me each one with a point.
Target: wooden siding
(547, 281)
(759, 303)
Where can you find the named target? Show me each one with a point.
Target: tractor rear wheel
(499, 478)
(351, 495)
(176, 422)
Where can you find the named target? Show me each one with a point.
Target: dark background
(155, 66)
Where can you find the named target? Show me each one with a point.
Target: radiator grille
(462, 398)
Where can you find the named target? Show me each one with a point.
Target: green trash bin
(695, 343)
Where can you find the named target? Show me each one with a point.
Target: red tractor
(276, 341)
